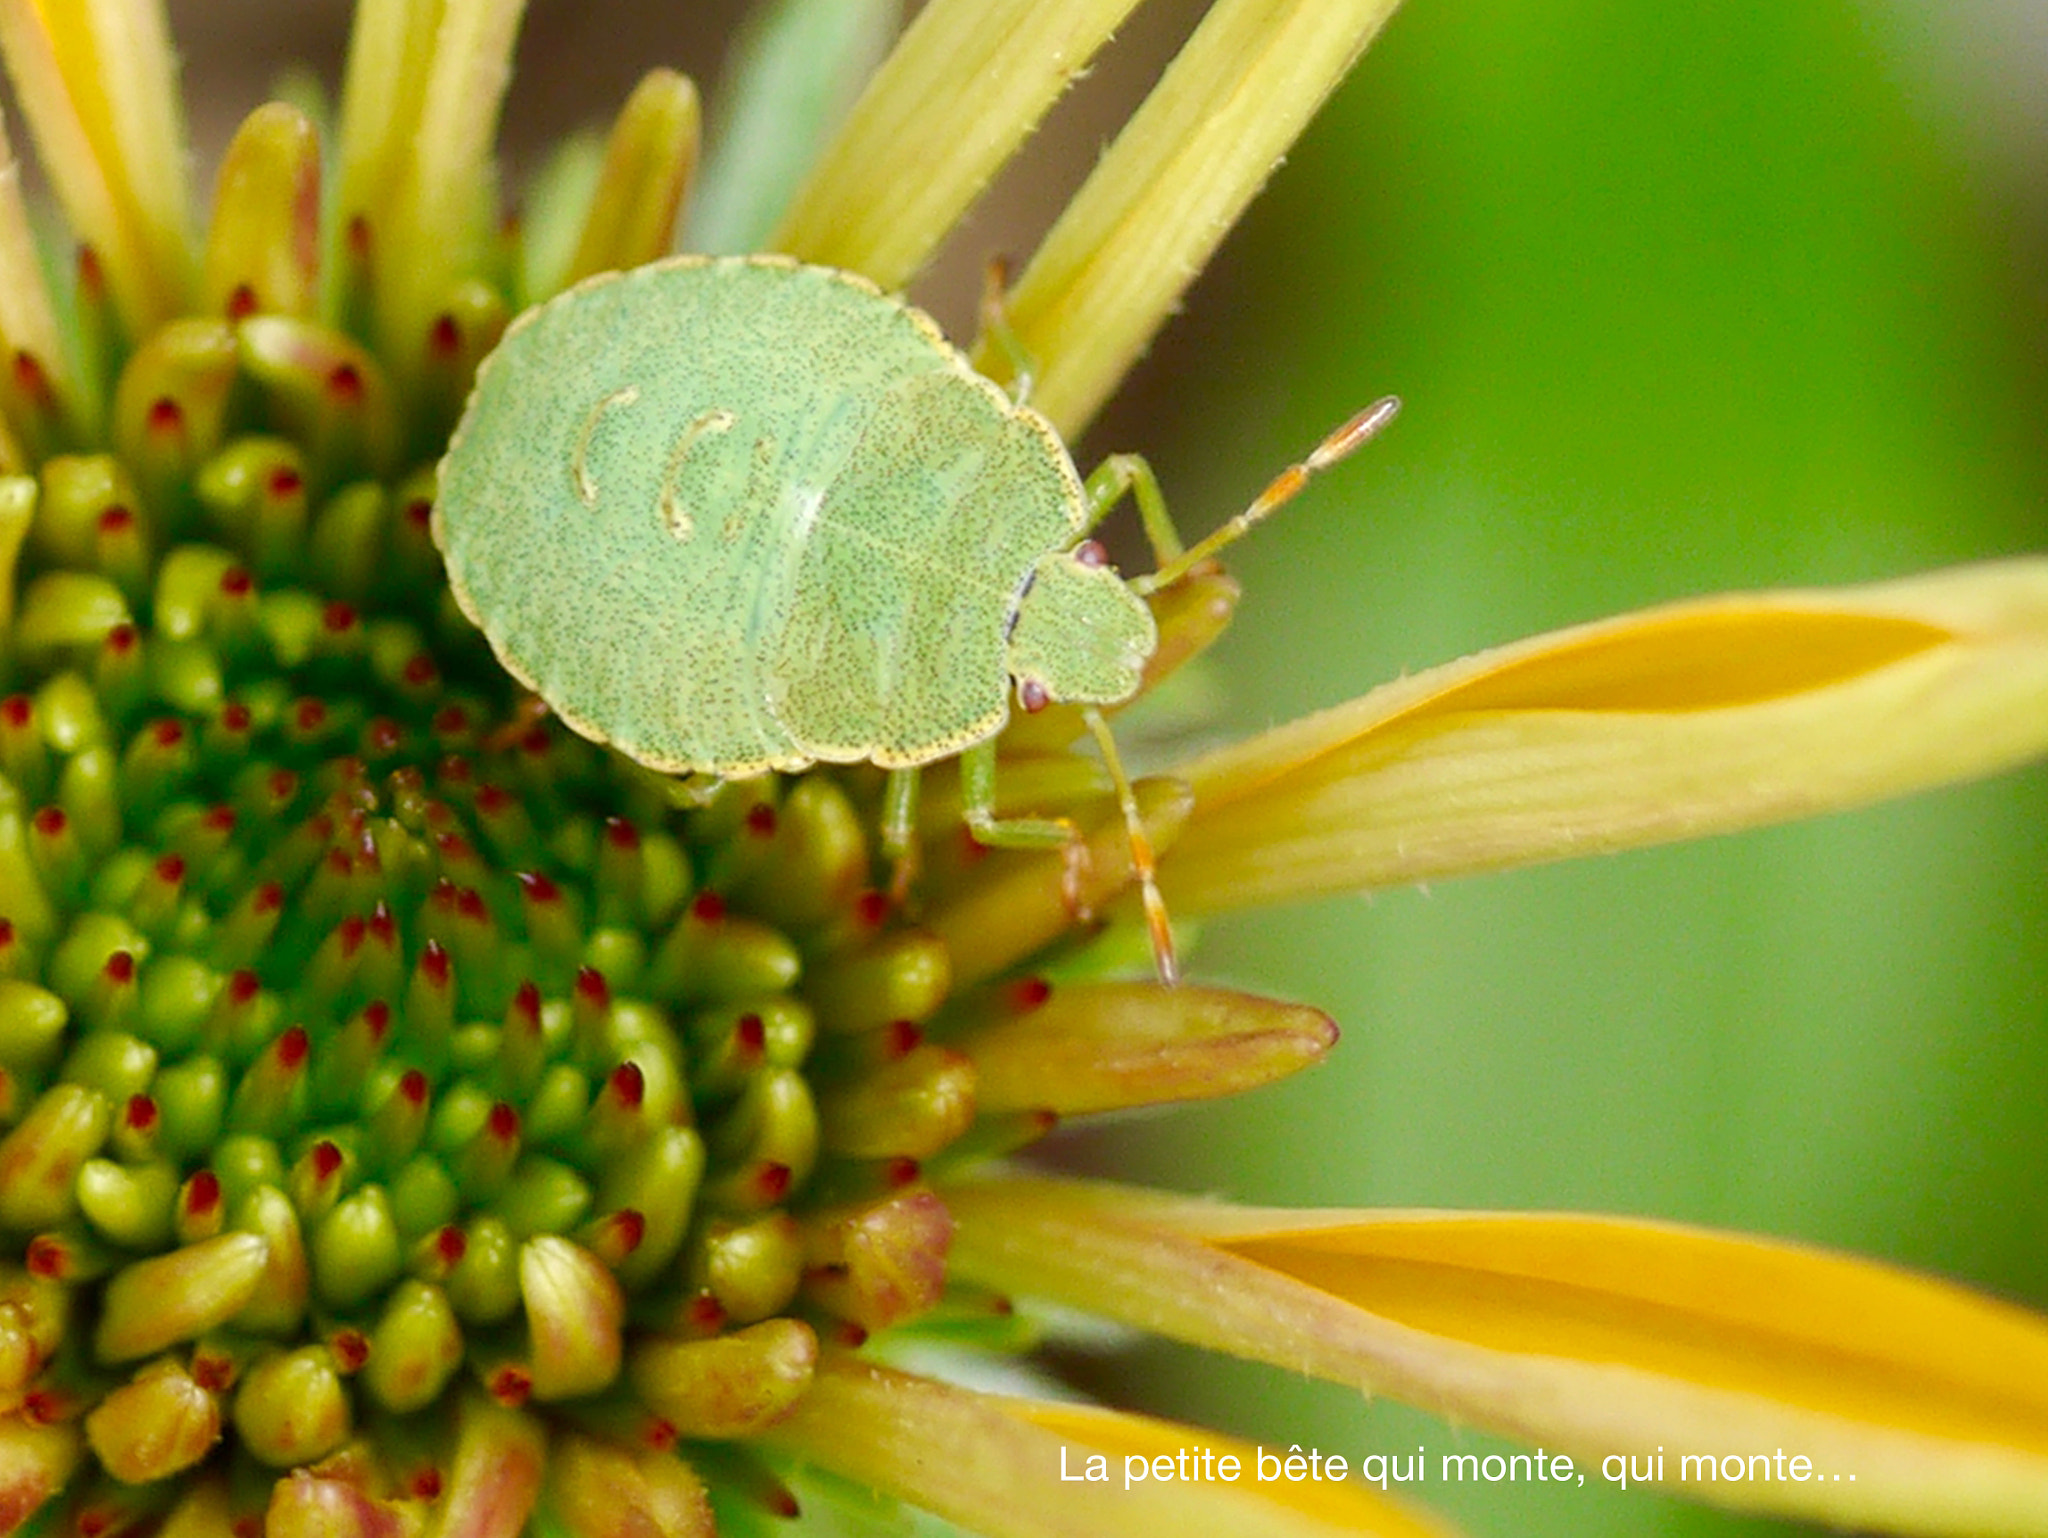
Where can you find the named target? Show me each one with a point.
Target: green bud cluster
(389, 1077)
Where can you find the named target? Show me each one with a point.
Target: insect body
(738, 514)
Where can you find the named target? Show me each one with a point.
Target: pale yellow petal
(1598, 1337)
(122, 189)
(1014, 1468)
(134, 87)
(1696, 718)
(262, 243)
(1283, 1502)
(965, 86)
(391, 48)
(648, 163)
(438, 211)
(28, 320)
(1106, 1046)
(18, 497)
(1174, 182)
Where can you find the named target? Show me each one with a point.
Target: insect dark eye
(1031, 693)
(1090, 553)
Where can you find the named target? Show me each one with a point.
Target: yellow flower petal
(792, 71)
(390, 51)
(1279, 1504)
(28, 320)
(1600, 1337)
(1696, 718)
(18, 495)
(648, 163)
(1107, 1046)
(1014, 1469)
(1174, 182)
(420, 103)
(262, 244)
(120, 173)
(963, 89)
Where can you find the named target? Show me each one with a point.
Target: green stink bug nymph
(731, 515)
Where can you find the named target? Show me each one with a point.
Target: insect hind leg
(999, 335)
(1143, 864)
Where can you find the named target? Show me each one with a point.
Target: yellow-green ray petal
(28, 320)
(426, 79)
(1174, 182)
(1593, 1335)
(963, 89)
(792, 72)
(1277, 1505)
(1695, 718)
(263, 244)
(18, 497)
(120, 173)
(1107, 1046)
(390, 51)
(994, 1465)
(648, 163)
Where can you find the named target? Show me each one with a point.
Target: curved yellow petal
(1013, 1468)
(648, 163)
(1107, 1046)
(28, 318)
(425, 83)
(1169, 189)
(1283, 1502)
(1694, 718)
(98, 84)
(1873, 1396)
(964, 87)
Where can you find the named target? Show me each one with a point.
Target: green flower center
(367, 1037)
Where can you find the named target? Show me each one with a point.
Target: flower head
(420, 1118)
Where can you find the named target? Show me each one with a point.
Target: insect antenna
(1142, 862)
(1281, 490)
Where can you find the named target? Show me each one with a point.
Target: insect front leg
(1143, 865)
(692, 791)
(1128, 474)
(978, 795)
(899, 831)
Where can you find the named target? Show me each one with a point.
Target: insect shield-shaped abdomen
(738, 514)
(907, 581)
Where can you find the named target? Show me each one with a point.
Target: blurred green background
(1680, 298)
(1720, 294)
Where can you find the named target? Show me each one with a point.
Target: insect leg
(1163, 958)
(691, 792)
(978, 793)
(899, 831)
(1121, 473)
(998, 333)
(1281, 490)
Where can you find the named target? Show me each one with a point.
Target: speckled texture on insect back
(739, 514)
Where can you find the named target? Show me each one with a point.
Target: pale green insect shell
(738, 514)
